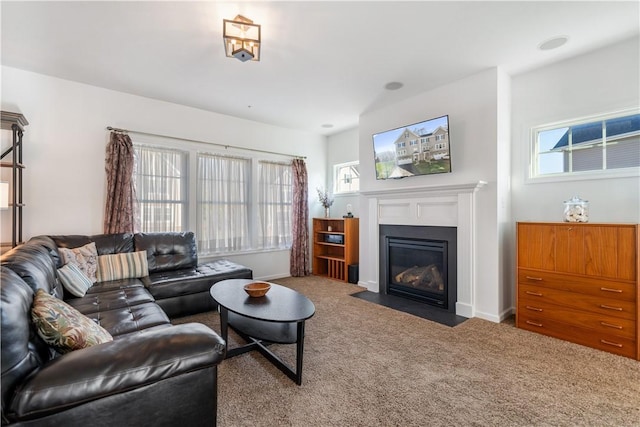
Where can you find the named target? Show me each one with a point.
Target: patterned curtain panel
(299, 263)
(119, 215)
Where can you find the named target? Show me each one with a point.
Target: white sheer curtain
(161, 188)
(274, 205)
(223, 203)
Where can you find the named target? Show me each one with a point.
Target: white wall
(602, 81)
(65, 144)
(343, 147)
(473, 108)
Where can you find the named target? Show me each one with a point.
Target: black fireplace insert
(419, 263)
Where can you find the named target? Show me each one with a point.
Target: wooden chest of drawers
(579, 282)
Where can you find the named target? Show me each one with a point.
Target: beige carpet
(368, 365)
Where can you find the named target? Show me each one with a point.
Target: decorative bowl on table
(257, 289)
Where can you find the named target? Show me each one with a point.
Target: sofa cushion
(122, 266)
(110, 299)
(105, 243)
(74, 280)
(114, 285)
(34, 265)
(62, 326)
(130, 319)
(168, 251)
(175, 283)
(85, 258)
(23, 351)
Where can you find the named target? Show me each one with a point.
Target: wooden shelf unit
(579, 282)
(333, 259)
(14, 122)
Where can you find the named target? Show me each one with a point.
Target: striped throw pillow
(122, 266)
(74, 280)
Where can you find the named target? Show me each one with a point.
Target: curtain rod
(226, 146)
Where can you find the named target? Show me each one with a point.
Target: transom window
(604, 143)
(346, 177)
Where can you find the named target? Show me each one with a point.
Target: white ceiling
(322, 62)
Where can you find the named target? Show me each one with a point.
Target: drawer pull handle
(529, 322)
(537, 294)
(609, 325)
(608, 307)
(618, 291)
(528, 307)
(539, 279)
(615, 344)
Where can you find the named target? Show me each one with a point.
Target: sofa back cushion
(106, 244)
(168, 251)
(51, 247)
(32, 262)
(23, 350)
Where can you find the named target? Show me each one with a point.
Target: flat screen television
(418, 149)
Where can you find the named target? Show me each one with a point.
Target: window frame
(532, 175)
(336, 170)
(192, 148)
(184, 201)
(227, 205)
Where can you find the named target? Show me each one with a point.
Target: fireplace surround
(439, 205)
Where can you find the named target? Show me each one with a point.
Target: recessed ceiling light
(553, 43)
(393, 86)
(327, 125)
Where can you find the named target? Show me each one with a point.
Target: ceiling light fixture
(553, 43)
(241, 39)
(393, 86)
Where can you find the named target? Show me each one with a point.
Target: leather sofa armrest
(121, 365)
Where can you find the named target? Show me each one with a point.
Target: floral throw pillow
(85, 258)
(63, 327)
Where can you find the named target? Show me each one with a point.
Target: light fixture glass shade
(241, 39)
(4, 195)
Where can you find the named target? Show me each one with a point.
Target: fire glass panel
(418, 267)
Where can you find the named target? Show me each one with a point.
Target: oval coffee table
(278, 317)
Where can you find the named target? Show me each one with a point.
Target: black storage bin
(353, 273)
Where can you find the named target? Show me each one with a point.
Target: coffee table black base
(259, 334)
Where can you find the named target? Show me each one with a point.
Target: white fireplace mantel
(443, 205)
(429, 189)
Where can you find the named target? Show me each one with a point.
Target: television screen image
(417, 149)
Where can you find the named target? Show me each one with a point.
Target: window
(161, 187)
(413, 142)
(233, 203)
(275, 193)
(346, 177)
(603, 143)
(223, 202)
(439, 137)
